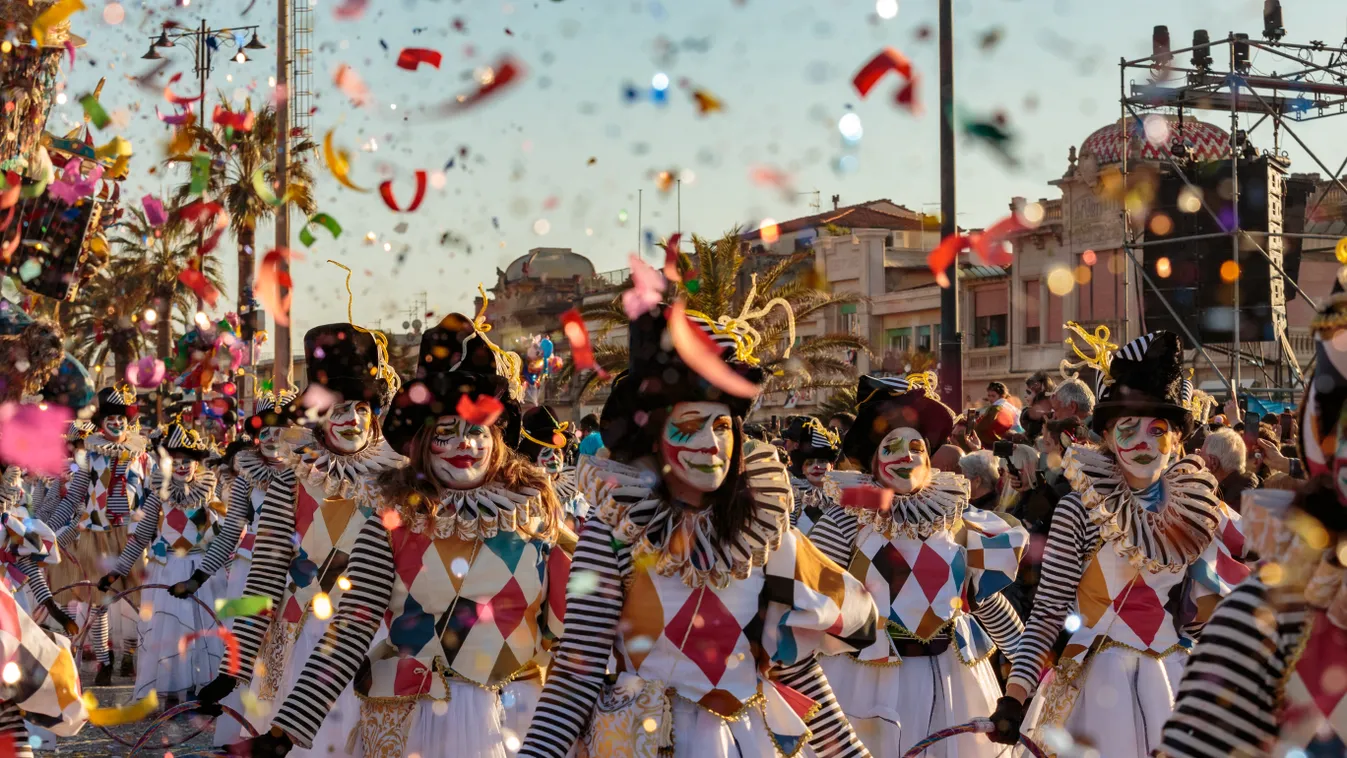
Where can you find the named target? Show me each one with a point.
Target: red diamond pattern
(306, 508)
(707, 633)
(1140, 608)
(409, 552)
(1324, 658)
(932, 572)
(508, 606)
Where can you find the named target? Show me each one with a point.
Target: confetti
(323, 220)
(53, 16)
(350, 10)
(989, 244)
(870, 498)
(706, 102)
(199, 214)
(339, 163)
(272, 281)
(888, 60)
(386, 192)
(9, 195)
(73, 186)
(120, 714)
(412, 57)
(647, 289)
(198, 283)
(671, 258)
(231, 643)
(154, 210)
(177, 119)
(701, 355)
(200, 173)
(146, 373)
(505, 73)
(93, 110)
(176, 99)
(239, 122)
(350, 83)
(31, 436)
(943, 255)
(263, 189)
(484, 410)
(582, 349)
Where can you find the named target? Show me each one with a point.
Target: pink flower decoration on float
(32, 436)
(146, 373)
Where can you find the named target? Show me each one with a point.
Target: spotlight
(1201, 50)
(1160, 45)
(1242, 53)
(1272, 20)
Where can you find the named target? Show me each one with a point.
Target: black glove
(184, 590)
(272, 744)
(58, 614)
(208, 699)
(105, 583)
(1007, 719)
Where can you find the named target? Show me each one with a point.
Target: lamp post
(951, 341)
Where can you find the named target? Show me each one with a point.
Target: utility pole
(951, 341)
(281, 366)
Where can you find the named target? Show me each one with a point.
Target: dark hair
(999, 388)
(589, 423)
(1072, 426)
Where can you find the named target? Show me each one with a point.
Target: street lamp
(163, 40)
(255, 43)
(152, 55)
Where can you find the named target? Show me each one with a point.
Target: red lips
(462, 461)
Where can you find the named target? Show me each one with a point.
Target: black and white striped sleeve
(579, 663)
(14, 730)
(835, 535)
(1002, 623)
(1227, 702)
(273, 550)
(237, 518)
(1063, 565)
(831, 735)
(333, 664)
(64, 518)
(37, 579)
(146, 530)
(50, 502)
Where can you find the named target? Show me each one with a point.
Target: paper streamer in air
(339, 163)
(412, 57)
(386, 192)
(702, 355)
(322, 219)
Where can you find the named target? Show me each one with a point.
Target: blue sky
(781, 68)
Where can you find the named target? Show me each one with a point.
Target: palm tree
(842, 400)
(715, 283)
(236, 157)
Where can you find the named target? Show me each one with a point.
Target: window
(924, 338)
(1099, 298)
(1033, 331)
(899, 340)
(1054, 326)
(990, 316)
(850, 323)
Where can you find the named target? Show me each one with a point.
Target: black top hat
(179, 441)
(456, 361)
(888, 403)
(1144, 378)
(795, 430)
(347, 361)
(117, 400)
(273, 409)
(816, 441)
(541, 429)
(658, 377)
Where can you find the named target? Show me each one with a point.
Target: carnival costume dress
(28, 546)
(813, 500)
(1137, 573)
(938, 566)
(543, 441)
(178, 522)
(714, 643)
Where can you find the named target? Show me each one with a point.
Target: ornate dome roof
(549, 263)
(1210, 142)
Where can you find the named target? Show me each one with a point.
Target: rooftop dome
(1210, 142)
(549, 263)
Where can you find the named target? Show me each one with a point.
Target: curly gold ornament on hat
(48, 20)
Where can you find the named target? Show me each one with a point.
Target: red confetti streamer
(484, 410)
(271, 282)
(197, 281)
(888, 60)
(231, 644)
(70, 48)
(350, 10)
(943, 255)
(582, 350)
(507, 72)
(671, 258)
(988, 244)
(177, 119)
(386, 192)
(239, 122)
(870, 498)
(702, 355)
(10, 194)
(179, 99)
(199, 214)
(412, 57)
(350, 83)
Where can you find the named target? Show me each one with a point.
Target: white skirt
(698, 733)
(893, 708)
(1125, 700)
(474, 723)
(164, 664)
(227, 730)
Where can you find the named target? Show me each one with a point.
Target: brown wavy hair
(508, 469)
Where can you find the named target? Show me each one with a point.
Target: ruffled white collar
(682, 541)
(194, 494)
(564, 483)
(937, 507)
(1169, 539)
(480, 513)
(810, 495)
(339, 475)
(256, 470)
(132, 447)
(11, 488)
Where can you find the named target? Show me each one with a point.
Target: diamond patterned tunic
(104, 491)
(183, 521)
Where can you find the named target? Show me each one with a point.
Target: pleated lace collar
(937, 507)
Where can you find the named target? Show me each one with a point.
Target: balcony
(985, 362)
(605, 281)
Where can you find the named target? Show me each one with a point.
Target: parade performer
(465, 557)
(543, 440)
(29, 544)
(46, 493)
(1137, 557)
(999, 419)
(810, 465)
(178, 520)
(92, 520)
(712, 606)
(1261, 680)
(259, 460)
(935, 563)
(309, 522)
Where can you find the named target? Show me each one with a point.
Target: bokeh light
(1229, 271)
(886, 9)
(1060, 281)
(850, 127)
(770, 231)
(1163, 268)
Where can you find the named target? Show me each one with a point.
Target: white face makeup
(902, 462)
(1145, 447)
(114, 428)
(270, 443)
(184, 470)
(816, 470)
(460, 453)
(348, 426)
(697, 443)
(551, 460)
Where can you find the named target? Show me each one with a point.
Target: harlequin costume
(1261, 681)
(1140, 570)
(816, 442)
(543, 440)
(177, 522)
(470, 582)
(938, 566)
(714, 645)
(310, 519)
(29, 544)
(93, 520)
